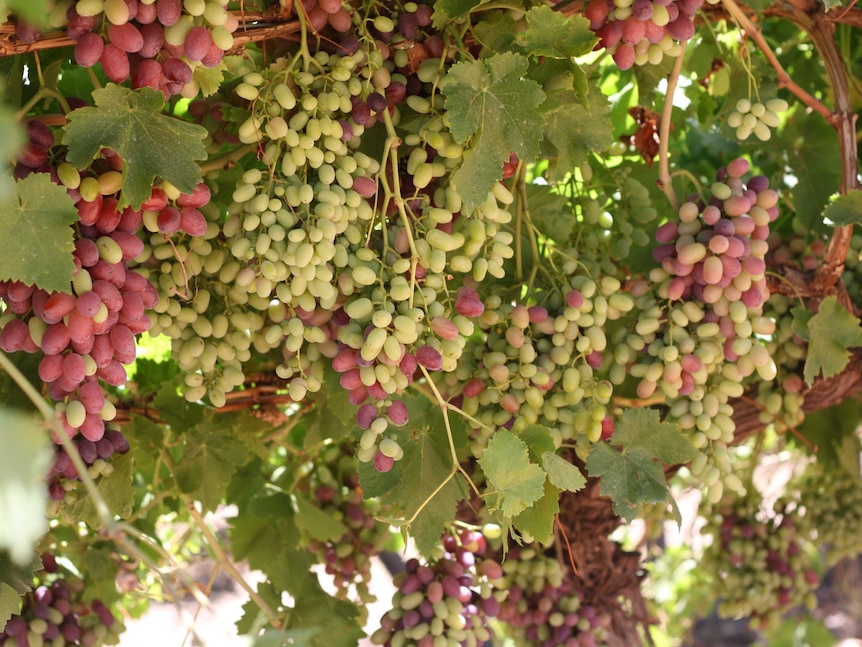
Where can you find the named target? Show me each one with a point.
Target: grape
(197, 43)
(125, 36)
(115, 63)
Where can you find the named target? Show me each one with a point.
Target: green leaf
(116, 490)
(11, 394)
(538, 439)
(635, 474)
(36, 12)
(811, 150)
(36, 240)
(491, 101)
(562, 473)
(799, 325)
(447, 10)
(414, 480)
(175, 410)
(151, 144)
(518, 483)
(629, 478)
(642, 428)
(335, 416)
(573, 130)
(550, 212)
(26, 457)
(551, 34)
(315, 522)
(209, 79)
(538, 519)
(845, 209)
(151, 374)
(15, 581)
(833, 331)
(212, 453)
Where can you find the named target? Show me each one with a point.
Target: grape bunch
(637, 32)
(832, 498)
(55, 613)
(538, 364)
(758, 118)
(86, 336)
(333, 486)
(157, 44)
(63, 476)
(759, 560)
(450, 598)
(540, 608)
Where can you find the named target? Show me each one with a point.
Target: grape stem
(784, 79)
(228, 566)
(664, 178)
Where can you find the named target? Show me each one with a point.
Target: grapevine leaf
(412, 483)
(562, 473)
(845, 209)
(27, 454)
(828, 430)
(175, 410)
(496, 32)
(574, 130)
(36, 12)
(811, 157)
(642, 428)
(445, 11)
(253, 619)
(799, 325)
(632, 473)
(550, 33)
(293, 637)
(518, 483)
(209, 79)
(318, 524)
(538, 439)
(550, 212)
(491, 101)
(314, 607)
(99, 566)
(833, 331)
(131, 123)
(212, 454)
(334, 417)
(116, 490)
(11, 138)
(629, 477)
(15, 581)
(11, 394)
(36, 241)
(538, 519)
(151, 374)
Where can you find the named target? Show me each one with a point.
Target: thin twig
(664, 179)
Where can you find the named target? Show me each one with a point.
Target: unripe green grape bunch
(759, 560)
(757, 118)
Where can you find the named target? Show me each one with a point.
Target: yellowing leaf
(832, 331)
(150, 143)
(491, 101)
(517, 482)
(36, 240)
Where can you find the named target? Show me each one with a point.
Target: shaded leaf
(447, 10)
(36, 240)
(115, 489)
(833, 331)
(15, 581)
(538, 519)
(629, 478)
(211, 455)
(643, 428)
(845, 209)
(151, 144)
(517, 482)
(318, 524)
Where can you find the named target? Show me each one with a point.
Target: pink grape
(366, 414)
(197, 44)
(123, 342)
(197, 198)
(430, 358)
(148, 73)
(153, 36)
(57, 306)
(93, 428)
(92, 397)
(14, 335)
(169, 11)
(397, 413)
(50, 368)
(54, 340)
(624, 56)
(88, 304)
(382, 463)
(169, 220)
(126, 37)
(88, 49)
(115, 63)
(192, 221)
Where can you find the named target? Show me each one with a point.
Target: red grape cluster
(157, 44)
(54, 613)
(334, 488)
(716, 252)
(642, 31)
(87, 336)
(450, 598)
(542, 609)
